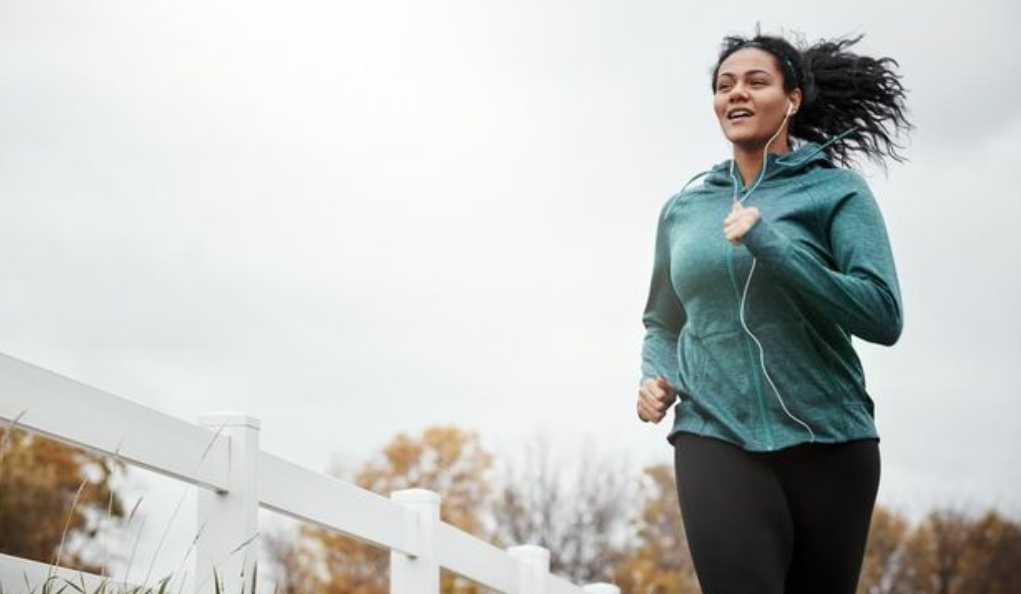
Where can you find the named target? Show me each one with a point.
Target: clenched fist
(654, 399)
(739, 221)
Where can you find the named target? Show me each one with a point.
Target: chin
(745, 140)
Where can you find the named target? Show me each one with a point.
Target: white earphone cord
(748, 282)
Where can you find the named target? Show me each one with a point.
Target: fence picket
(417, 574)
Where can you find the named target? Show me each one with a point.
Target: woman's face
(750, 101)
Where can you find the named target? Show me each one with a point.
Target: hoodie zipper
(749, 351)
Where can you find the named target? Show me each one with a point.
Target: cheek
(719, 106)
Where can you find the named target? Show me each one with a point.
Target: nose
(738, 92)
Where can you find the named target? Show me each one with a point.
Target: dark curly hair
(859, 98)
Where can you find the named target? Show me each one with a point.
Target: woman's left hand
(739, 221)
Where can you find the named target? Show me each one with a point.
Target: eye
(722, 87)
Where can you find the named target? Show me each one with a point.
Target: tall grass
(56, 581)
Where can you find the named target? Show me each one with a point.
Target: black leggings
(793, 521)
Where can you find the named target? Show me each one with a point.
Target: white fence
(222, 456)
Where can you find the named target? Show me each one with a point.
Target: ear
(795, 101)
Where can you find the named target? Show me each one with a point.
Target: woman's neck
(749, 160)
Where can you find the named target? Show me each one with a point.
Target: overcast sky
(354, 219)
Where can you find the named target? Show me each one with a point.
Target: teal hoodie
(824, 272)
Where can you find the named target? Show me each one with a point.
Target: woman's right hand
(655, 398)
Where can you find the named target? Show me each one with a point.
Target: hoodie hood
(806, 156)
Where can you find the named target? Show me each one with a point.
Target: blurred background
(357, 220)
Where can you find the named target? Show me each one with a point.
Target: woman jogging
(764, 269)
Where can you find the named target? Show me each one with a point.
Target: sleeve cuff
(764, 241)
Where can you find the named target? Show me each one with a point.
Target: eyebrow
(747, 73)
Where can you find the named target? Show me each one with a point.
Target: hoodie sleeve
(861, 292)
(664, 316)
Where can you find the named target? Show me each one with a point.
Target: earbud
(790, 109)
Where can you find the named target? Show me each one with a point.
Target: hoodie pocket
(827, 364)
(691, 359)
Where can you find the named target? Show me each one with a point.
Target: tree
(660, 563)
(883, 566)
(577, 511)
(52, 493)
(940, 544)
(991, 563)
(952, 553)
(447, 460)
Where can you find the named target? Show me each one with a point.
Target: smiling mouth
(738, 115)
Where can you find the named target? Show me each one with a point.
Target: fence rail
(221, 456)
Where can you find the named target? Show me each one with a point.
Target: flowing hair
(855, 101)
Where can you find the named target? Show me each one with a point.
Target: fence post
(419, 574)
(601, 588)
(533, 568)
(228, 523)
